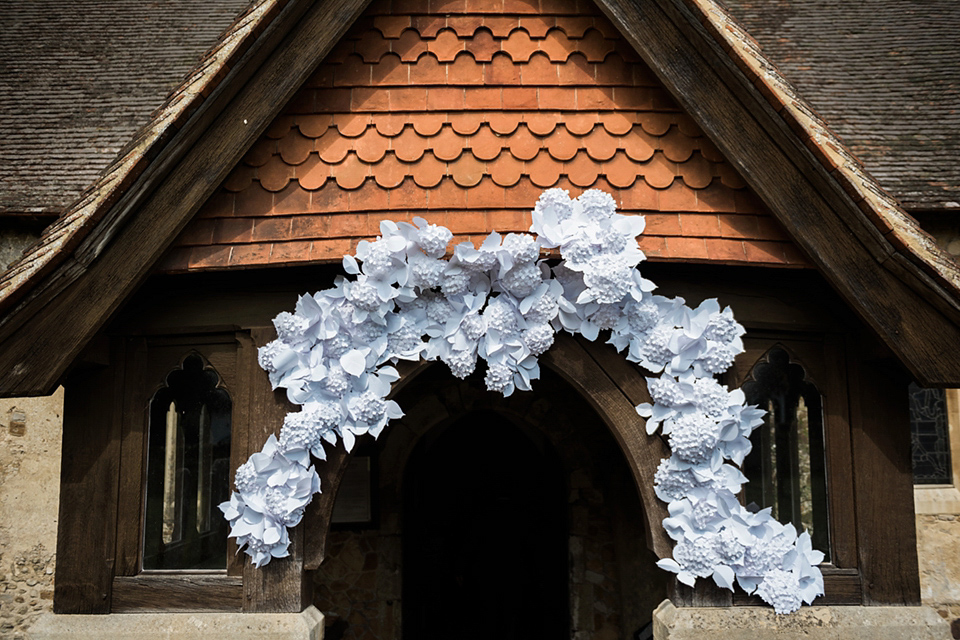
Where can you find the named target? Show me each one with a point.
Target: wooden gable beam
(42, 337)
(909, 312)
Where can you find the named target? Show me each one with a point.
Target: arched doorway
(485, 535)
(607, 461)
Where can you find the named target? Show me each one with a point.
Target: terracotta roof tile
(464, 118)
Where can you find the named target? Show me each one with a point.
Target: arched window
(787, 466)
(188, 468)
(930, 436)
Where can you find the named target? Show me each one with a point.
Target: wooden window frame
(822, 356)
(147, 361)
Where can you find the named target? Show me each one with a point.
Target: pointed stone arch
(608, 383)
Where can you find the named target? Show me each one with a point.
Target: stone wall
(30, 430)
(938, 548)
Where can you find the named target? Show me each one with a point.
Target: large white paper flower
(781, 589)
(500, 303)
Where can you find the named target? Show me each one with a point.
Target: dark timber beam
(900, 306)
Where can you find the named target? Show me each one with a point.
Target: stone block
(809, 623)
(307, 625)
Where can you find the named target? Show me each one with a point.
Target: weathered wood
(823, 360)
(177, 593)
(818, 215)
(135, 411)
(705, 594)
(837, 436)
(316, 519)
(240, 441)
(282, 585)
(841, 587)
(643, 452)
(883, 480)
(89, 476)
(148, 362)
(37, 347)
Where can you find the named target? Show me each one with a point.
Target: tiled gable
(464, 115)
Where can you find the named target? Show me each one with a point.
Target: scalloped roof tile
(464, 117)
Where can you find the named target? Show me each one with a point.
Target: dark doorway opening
(484, 535)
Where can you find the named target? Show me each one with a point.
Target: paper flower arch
(501, 303)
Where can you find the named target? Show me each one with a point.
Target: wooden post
(89, 477)
(281, 586)
(883, 480)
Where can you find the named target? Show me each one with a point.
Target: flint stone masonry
(30, 431)
(938, 547)
(307, 625)
(809, 623)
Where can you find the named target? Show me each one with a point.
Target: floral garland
(502, 303)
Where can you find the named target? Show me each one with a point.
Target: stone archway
(612, 386)
(576, 377)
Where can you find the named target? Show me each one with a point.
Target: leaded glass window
(188, 465)
(787, 465)
(930, 436)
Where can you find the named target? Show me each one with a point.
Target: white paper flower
(378, 260)
(338, 345)
(337, 382)
(290, 327)
(723, 328)
(521, 247)
(454, 283)
(473, 326)
(781, 589)
(579, 251)
(729, 548)
(656, 348)
(364, 296)
(694, 436)
(556, 202)
(426, 272)
(246, 477)
(607, 316)
(538, 338)
(544, 308)
(461, 363)
(666, 391)
(597, 205)
(433, 239)
(612, 241)
(710, 397)
(718, 359)
(522, 280)
(333, 357)
(438, 309)
(499, 377)
(608, 277)
(500, 316)
(370, 408)
(697, 555)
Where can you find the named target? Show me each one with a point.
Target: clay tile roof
(80, 78)
(902, 230)
(464, 120)
(884, 75)
(80, 217)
